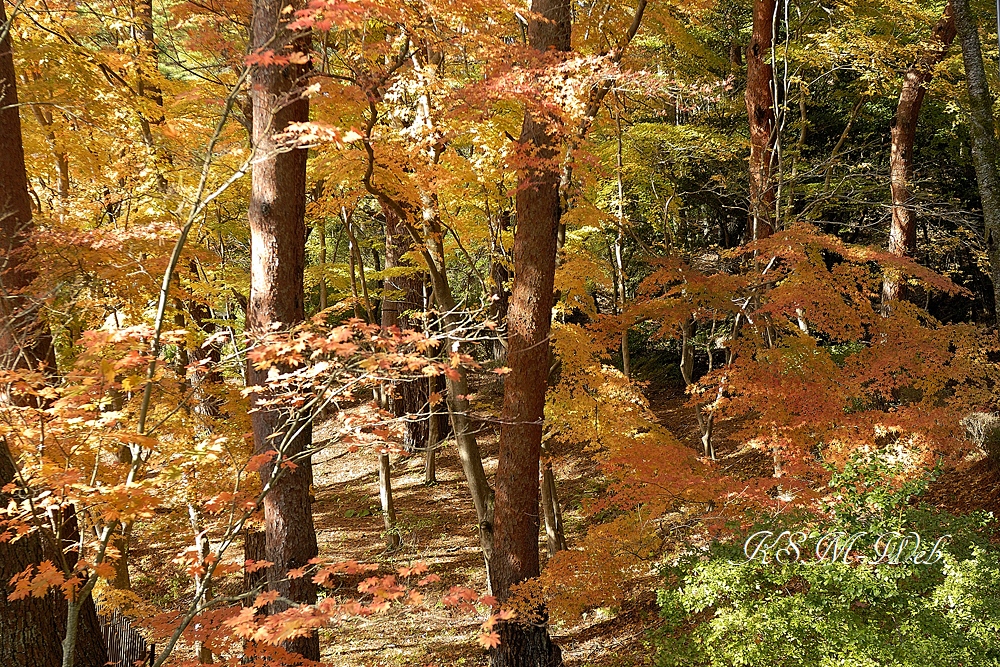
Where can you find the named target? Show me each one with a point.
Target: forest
(520, 333)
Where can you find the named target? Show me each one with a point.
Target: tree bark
(278, 236)
(516, 519)
(32, 629)
(984, 138)
(24, 340)
(903, 232)
(760, 111)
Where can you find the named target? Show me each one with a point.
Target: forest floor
(438, 527)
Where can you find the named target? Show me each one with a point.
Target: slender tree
(760, 111)
(278, 236)
(903, 232)
(984, 137)
(402, 294)
(529, 318)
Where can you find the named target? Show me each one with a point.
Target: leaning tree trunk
(984, 138)
(555, 536)
(277, 249)
(903, 232)
(760, 111)
(529, 318)
(32, 629)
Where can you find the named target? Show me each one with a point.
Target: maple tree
(629, 276)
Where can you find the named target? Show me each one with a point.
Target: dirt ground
(438, 527)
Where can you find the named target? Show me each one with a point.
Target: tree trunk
(457, 387)
(984, 138)
(705, 423)
(321, 228)
(619, 244)
(555, 537)
(529, 319)
(760, 111)
(903, 232)
(278, 236)
(25, 341)
(401, 294)
(32, 629)
(255, 549)
(392, 540)
(433, 435)
(499, 277)
(123, 581)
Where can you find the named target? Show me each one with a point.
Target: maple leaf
(489, 641)
(251, 566)
(105, 570)
(264, 599)
(417, 568)
(260, 460)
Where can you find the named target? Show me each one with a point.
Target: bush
(722, 610)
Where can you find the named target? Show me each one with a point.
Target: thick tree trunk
(25, 341)
(516, 520)
(32, 630)
(255, 549)
(903, 232)
(984, 138)
(278, 235)
(760, 111)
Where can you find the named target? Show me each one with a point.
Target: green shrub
(721, 610)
